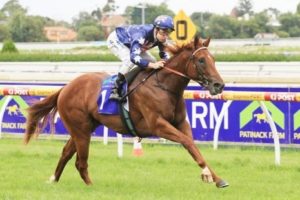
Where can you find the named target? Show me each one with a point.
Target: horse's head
(200, 65)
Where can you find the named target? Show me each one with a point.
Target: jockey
(131, 43)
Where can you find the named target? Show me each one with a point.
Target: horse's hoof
(51, 179)
(222, 184)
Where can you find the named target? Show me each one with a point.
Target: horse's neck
(178, 63)
(172, 81)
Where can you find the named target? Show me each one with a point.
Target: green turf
(164, 172)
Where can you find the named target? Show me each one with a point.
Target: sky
(67, 9)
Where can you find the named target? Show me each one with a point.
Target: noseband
(203, 79)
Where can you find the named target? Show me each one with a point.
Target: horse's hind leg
(82, 146)
(80, 126)
(81, 137)
(67, 153)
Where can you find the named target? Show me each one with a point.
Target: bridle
(203, 79)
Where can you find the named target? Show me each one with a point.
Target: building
(110, 22)
(59, 34)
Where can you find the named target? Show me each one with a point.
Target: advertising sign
(243, 121)
(295, 123)
(184, 28)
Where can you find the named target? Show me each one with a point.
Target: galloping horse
(157, 107)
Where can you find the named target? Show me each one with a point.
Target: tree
(16, 27)
(97, 14)
(48, 21)
(201, 20)
(290, 23)
(222, 27)
(34, 27)
(151, 12)
(298, 9)
(110, 7)
(84, 19)
(248, 29)
(262, 21)
(272, 11)
(90, 33)
(12, 7)
(245, 7)
(27, 28)
(87, 26)
(4, 32)
(133, 14)
(2, 16)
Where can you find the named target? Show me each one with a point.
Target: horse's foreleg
(67, 153)
(184, 136)
(207, 175)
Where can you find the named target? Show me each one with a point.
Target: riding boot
(117, 89)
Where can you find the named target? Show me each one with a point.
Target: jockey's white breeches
(123, 53)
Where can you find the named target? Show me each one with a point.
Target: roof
(113, 20)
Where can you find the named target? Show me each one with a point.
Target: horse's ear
(196, 42)
(206, 42)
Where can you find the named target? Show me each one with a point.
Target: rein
(139, 84)
(177, 72)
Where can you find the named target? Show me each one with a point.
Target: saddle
(113, 107)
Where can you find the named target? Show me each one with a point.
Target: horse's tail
(41, 111)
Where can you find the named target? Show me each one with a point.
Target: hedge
(46, 57)
(19, 57)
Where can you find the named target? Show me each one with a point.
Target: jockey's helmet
(164, 22)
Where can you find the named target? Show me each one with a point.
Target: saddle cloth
(106, 105)
(114, 107)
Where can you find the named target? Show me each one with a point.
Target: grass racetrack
(164, 172)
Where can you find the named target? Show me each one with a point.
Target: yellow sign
(184, 28)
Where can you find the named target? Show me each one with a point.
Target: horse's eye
(201, 61)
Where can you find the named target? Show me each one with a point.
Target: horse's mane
(175, 48)
(194, 44)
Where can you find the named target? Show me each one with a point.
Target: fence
(259, 112)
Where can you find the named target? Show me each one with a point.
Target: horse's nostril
(219, 86)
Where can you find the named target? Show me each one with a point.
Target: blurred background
(26, 21)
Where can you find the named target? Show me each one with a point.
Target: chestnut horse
(157, 107)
